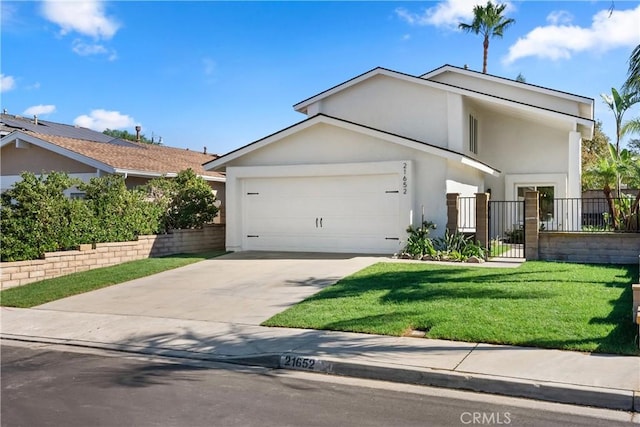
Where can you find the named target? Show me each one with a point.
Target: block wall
(592, 248)
(87, 257)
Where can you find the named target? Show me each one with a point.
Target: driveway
(244, 287)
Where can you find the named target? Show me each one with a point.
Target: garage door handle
(320, 222)
(316, 222)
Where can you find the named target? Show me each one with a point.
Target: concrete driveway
(244, 287)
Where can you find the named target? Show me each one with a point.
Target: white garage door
(327, 214)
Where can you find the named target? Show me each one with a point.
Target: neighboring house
(40, 146)
(381, 150)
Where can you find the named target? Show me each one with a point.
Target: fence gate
(506, 229)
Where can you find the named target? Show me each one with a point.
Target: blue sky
(223, 74)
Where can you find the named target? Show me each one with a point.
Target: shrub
(36, 217)
(458, 246)
(453, 247)
(186, 201)
(419, 243)
(118, 214)
(514, 236)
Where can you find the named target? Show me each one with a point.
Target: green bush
(119, 214)
(419, 243)
(451, 247)
(186, 201)
(514, 236)
(36, 217)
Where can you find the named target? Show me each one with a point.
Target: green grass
(541, 304)
(498, 248)
(44, 291)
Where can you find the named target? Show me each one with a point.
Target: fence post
(531, 225)
(453, 209)
(482, 220)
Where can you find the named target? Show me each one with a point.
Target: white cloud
(448, 13)
(38, 110)
(559, 17)
(86, 17)
(608, 30)
(7, 83)
(84, 49)
(8, 13)
(100, 120)
(87, 49)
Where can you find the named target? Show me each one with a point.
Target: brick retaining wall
(57, 264)
(594, 248)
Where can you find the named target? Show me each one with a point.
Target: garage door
(326, 214)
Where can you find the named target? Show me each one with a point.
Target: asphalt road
(59, 386)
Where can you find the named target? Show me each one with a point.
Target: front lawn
(48, 290)
(541, 304)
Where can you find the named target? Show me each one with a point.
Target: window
(545, 197)
(473, 134)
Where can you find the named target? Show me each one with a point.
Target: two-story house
(380, 151)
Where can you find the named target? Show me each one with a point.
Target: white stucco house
(381, 150)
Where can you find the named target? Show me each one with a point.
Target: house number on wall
(404, 178)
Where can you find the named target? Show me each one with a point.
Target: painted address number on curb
(293, 361)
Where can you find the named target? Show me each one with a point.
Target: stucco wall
(57, 264)
(14, 161)
(393, 105)
(517, 146)
(326, 144)
(594, 248)
(505, 90)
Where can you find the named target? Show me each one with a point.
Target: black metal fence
(619, 214)
(506, 225)
(467, 214)
(506, 229)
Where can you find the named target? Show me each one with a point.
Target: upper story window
(473, 134)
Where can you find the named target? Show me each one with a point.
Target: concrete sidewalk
(604, 381)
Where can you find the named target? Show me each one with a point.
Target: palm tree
(633, 75)
(619, 103)
(633, 180)
(606, 171)
(488, 21)
(632, 85)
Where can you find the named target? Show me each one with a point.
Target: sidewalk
(604, 381)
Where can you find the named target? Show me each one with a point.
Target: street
(45, 385)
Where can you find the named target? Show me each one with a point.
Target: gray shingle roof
(10, 123)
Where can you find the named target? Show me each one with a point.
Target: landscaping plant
(419, 243)
(37, 217)
(186, 201)
(451, 247)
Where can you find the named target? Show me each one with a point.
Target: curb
(599, 397)
(263, 360)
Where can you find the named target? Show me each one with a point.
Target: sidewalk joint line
(465, 357)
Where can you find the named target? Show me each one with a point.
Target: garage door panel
(331, 214)
(279, 225)
(292, 243)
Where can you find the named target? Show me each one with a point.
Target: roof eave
(221, 162)
(18, 135)
(302, 106)
(472, 73)
(153, 174)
